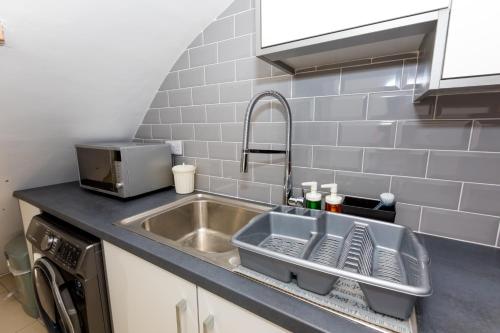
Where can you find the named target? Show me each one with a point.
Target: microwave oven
(124, 169)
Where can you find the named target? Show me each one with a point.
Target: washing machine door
(54, 299)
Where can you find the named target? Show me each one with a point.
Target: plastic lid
(332, 198)
(184, 168)
(313, 195)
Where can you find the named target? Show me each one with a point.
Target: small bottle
(333, 201)
(313, 198)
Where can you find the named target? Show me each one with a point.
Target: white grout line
(470, 135)
(427, 163)
(498, 236)
(460, 197)
(420, 217)
(435, 107)
(396, 133)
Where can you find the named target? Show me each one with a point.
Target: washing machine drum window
(54, 299)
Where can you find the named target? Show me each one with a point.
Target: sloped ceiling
(75, 71)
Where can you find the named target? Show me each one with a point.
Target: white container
(184, 178)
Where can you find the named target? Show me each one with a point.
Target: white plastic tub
(184, 178)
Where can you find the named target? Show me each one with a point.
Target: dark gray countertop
(466, 278)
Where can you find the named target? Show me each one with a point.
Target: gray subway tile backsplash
(252, 68)
(196, 149)
(236, 48)
(244, 23)
(235, 92)
(182, 131)
(170, 115)
(202, 182)
(254, 191)
(231, 169)
(219, 30)
(203, 55)
(460, 225)
(222, 150)
(408, 215)
(399, 105)
(268, 173)
(219, 73)
(452, 135)
(209, 167)
(465, 166)
(371, 78)
(338, 158)
(170, 82)
(281, 84)
(192, 77)
(220, 113)
(349, 107)
(427, 192)
(193, 114)
(160, 100)
(236, 7)
(314, 133)
(179, 97)
(367, 133)
(354, 123)
(182, 62)
(206, 94)
(163, 132)
(152, 117)
(224, 186)
(321, 176)
(207, 132)
(480, 198)
(395, 162)
(316, 84)
(144, 132)
(361, 184)
(232, 132)
(302, 109)
(486, 135)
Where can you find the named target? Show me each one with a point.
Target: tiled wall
(353, 124)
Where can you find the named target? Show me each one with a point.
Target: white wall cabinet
(286, 21)
(146, 298)
(220, 316)
(472, 45)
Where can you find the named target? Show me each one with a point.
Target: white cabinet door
(28, 211)
(220, 316)
(473, 42)
(145, 298)
(290, 20)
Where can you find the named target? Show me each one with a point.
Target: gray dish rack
(316, 248)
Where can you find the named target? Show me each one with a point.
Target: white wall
(79, 70)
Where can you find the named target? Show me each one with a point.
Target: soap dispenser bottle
(313, 198)
(333, 201)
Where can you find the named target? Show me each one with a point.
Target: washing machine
(68, 277)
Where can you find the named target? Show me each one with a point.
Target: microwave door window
(97, 168)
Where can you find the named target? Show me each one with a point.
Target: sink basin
(200, 224)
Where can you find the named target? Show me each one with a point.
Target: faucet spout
(245, 150)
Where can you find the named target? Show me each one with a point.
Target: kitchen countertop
(465, 277)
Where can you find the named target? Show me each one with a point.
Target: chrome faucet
(245, 151)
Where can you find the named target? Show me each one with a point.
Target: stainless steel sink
(200, 224)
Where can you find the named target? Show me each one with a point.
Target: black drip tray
(366, 208)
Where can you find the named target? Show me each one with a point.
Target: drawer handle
(208, 324)
(180, 308)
